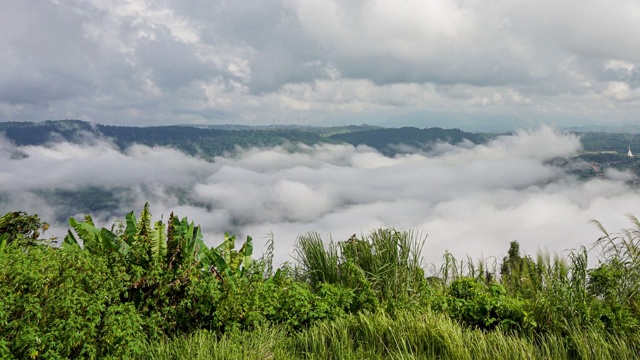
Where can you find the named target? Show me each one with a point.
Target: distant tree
(21, 227)
(517, 270)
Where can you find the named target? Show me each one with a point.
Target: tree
(22, 228)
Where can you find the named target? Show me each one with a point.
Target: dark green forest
(418, 139)
(206, 143)
(210, 142)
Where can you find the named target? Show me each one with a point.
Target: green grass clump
(259, 344)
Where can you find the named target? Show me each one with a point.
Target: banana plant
(138, 235)
(95, 240)
(185, 242)
(227, 260)
(177, 244)
(141, 234)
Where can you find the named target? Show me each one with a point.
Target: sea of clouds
(466, 199)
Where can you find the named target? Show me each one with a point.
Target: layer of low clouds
(321, 61)
(470, 199)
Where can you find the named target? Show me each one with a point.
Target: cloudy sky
(467, 199)
(471, 64)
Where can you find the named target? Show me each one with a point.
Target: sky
(476, 64)
(466, 199)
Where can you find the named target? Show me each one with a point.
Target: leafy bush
(486, 306)
(57, 304)
(22, 228)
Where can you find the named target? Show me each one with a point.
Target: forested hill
(209, 142)
(193, 140)
(37, 133)
(206, 142)
(384, 139)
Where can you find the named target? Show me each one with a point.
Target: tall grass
(622, 250)
(317, 263)
(408, 335)
(390, 261)
(258, 344)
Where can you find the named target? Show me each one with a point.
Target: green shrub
(60, 304)
(483, 306)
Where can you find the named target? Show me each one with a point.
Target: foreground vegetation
(145, 289)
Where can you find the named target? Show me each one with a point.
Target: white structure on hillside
(630, 154)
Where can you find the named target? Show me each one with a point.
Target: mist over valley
(470, 194)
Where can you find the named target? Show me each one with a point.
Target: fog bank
(470, 199)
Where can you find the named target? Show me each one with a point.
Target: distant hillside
(329, 131)
(620, 129)
(386, 140)
(320, 130)
(204, 142)
(210, 141)
(618, 142)
(36, 133)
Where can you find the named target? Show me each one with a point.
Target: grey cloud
(202, 61)
(44, 54)
(280, 53)
(252, 22)
(278, 64)
(173, 63)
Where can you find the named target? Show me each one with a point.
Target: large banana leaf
(227, 260)
(159, 241)
(181, 232)
(131, 229)
(226, 249)
(199, 249)
(220, 263)
(86, 230)
(88, 233)
(113, 242)
(188, 239)
(70, 242)
(242, 257)
(97, 241)
(144, 224)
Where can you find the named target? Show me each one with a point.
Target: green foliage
(616, 281)
(258, 344)
(58, 304)
(429, 335)
(22, 228)
(486, 306)
(518, 273)
(185, 245)
(138, 288)
(167, 268)
(228, 261)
